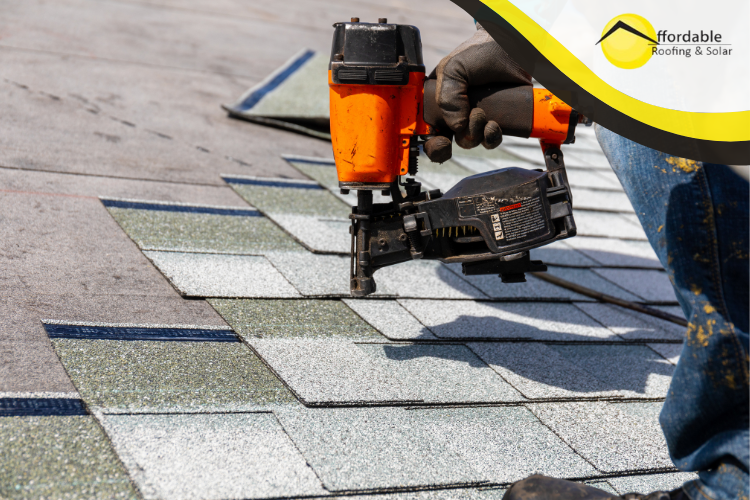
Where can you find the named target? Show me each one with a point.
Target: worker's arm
(477, 61)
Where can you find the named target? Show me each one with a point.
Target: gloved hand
(477, 61)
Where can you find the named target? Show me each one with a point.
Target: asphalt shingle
(216, 275)
(246, 232)
(646, 484)
(211, 456)
(390, 319)
(651, 286)
(670, 352)
(443, 373)
(561, 254)
(293, 318)
(188, 376)
(534, 289)
(632, 325)
(361, 448)
(589, 279)
(608, 225)
(614, 437)
(599, 200)
(332, 372)
(504, 321)
(542, 371)
(616, 253)
(59, 457)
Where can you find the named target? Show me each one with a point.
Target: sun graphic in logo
(627, 41)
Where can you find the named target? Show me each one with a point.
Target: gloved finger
(473, 135)
(493, 135)
(438, 149)
(453, 101)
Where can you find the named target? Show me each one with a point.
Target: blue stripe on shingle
(254, 98)
(271, 183)
(41, 407)
(139, 333)
(242, 212)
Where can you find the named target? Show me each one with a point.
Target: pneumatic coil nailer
(383, 109)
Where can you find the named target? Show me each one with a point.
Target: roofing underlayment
(180, 322)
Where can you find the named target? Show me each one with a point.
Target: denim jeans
(696, 218)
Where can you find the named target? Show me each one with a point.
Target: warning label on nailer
(520, 220)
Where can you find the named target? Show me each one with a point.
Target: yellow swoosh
(731, 126)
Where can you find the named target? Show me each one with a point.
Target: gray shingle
(539, 372)
(443, 373)
(390, 447)
(524, 320)
(214, 275)
(317, 233)
(670, 352)
(589, 279)
(533, 289)
(616, 253)
(332, 372)
(597, 199)
(210, 456)
(615, 437)
(198, 232)
(652, 286)
(59, 457)
(632, 325)
(279, 199)
(609, 225)
(560, 253)
(653, 482)
(487, 493)
(328, 275)
(542, 371)
(293, 318)
(143, 375)
(390, 319)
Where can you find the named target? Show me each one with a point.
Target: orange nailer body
(551, 122)
(376, 81)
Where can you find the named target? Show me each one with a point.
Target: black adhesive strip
(139, 333)
(271, 183)
(242, 212)
(41, 407)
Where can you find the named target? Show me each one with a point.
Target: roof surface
(177, 326)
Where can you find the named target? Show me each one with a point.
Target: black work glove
(477, 61)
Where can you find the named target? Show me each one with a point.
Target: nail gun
(383, 108)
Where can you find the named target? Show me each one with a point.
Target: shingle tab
(524, 320)
(590, 279)
(652, 286)
(646, 484)
(59, 457)
(293, 318)
(328, 275)
(119, 374)
(617, 253)
(632, 325)
(211, 456)
(443, 373)
(390, 447)
(615, 437)
(670, 352)
(214, 275)
(332, 371)
(600, 200)
(202, 232)
(534, 289)
(390, 319)
(609, 225)
(542, 371)
(561, 254)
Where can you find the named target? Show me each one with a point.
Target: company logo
(628, 40)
